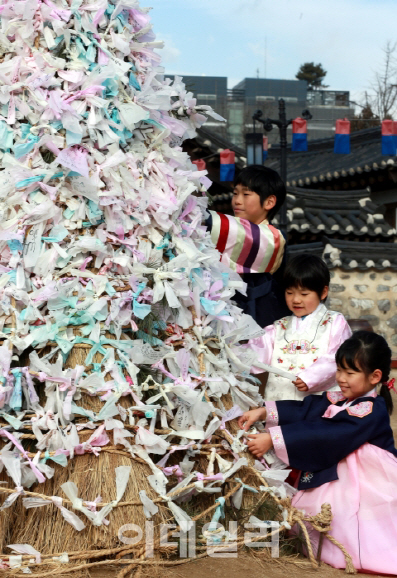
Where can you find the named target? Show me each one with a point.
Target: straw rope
(350, 569)
(319, 519)
(63, 569)
(127, 570)
(127, 550)
(321, 522)
(131, 566)
(133, 503)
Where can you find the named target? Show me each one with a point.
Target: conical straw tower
(120, 356)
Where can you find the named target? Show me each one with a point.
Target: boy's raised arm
(244, 246)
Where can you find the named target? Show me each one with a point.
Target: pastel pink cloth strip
(16, 443)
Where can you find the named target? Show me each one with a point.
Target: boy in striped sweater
(250, 245)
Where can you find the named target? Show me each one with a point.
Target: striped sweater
(245, 247)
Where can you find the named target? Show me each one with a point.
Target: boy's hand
(301, 385)
(259, 444)
(250, 417)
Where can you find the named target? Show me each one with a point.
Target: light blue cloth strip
(218, 514)
(16, 397)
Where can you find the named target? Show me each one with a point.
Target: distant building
(237, 105)
(258, 90)
(208, 88)
(327, 106)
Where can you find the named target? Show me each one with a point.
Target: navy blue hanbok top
(315, 434)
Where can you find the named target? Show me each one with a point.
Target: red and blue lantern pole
(299, 135)
(228, 166)
(342, 136)
(282, 124)
(389, 137)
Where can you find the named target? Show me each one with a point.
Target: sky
(228, 38)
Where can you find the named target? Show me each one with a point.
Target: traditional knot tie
(332, 410)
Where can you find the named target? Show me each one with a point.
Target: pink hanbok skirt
(364, 508)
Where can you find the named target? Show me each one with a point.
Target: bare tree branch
(384, 86)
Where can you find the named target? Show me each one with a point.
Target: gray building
(209, 88)
(237, 105)
(253, 94)
(259, 90)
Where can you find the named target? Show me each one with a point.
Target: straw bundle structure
(122, 370)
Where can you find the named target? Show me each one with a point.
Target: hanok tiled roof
(344, 214)
(320, 164)
(349, 255)
(216, 144)
(350, 213)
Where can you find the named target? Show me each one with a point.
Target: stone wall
(370, 295)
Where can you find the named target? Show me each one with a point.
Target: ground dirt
(239, 568)
(258, 566)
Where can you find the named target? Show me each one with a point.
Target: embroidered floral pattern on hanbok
(361, 409)
(271, 414)
(327, 319)
(335, 396)
(278, 441)
(296, 349)
(283, 323)
(306, 477)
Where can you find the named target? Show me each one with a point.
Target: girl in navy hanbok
(343, 445)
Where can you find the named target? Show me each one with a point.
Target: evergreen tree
(314, 75)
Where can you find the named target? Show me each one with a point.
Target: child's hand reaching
(301, 385)
(259, 444)
(250, 417)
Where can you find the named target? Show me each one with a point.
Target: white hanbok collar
(299, 325)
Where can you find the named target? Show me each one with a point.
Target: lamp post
(254, 145)
(282, 123)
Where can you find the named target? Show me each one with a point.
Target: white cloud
(170, 53)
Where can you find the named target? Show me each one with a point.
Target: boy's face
(303, 301)
(247, 205)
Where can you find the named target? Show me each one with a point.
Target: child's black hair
(264, 182)
(367, 351)
(307, 271)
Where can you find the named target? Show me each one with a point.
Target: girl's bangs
(347, 359)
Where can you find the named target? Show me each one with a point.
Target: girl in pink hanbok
(343, 445)
(303, 344)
